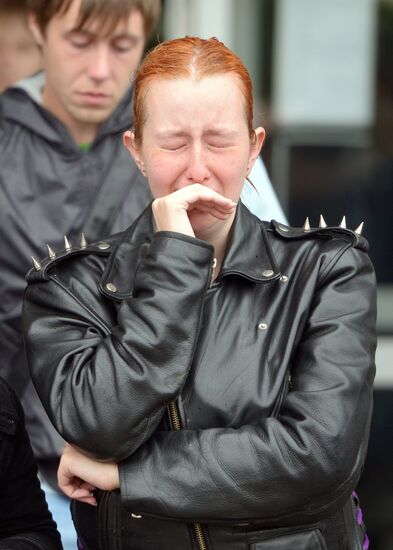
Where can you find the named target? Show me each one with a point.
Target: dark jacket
(47, 189)
(271, 369)
(25, 522)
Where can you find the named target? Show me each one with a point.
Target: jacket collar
(249, 254)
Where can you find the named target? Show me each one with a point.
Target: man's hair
(13, 5)
(109, 12)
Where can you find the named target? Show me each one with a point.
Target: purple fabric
(359, 519)
(80, 547)
(359, 516)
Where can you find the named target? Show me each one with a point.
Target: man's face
(88, 72)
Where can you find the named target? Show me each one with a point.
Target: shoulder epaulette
(41, 268)
(323, 231)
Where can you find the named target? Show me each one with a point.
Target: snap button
(103, 246)
(267, 273)
(111, 287)
(262, 326)
(136, 516)
(283, 278)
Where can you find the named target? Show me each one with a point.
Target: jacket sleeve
(105, 388)
(301, 462)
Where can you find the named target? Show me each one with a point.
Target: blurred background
(323, 77)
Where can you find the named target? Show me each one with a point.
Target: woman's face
(195, 132)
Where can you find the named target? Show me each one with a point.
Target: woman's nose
(198, 170)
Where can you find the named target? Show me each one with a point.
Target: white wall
(324, 62)
(204, 18)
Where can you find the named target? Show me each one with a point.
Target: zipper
(176, 426)
(199, 536)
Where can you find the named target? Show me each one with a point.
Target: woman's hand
(171, 212)
(78, 475)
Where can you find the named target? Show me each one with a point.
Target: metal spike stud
(67, 244)
(359, 229)
(343, 223)
(51, 252)
(83, 241)
(322, 222)
(36, 265)
(306, 226)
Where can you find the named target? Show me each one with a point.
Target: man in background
(64, 170)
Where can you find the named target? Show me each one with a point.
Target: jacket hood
(22, 104)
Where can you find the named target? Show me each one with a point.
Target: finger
(81, 493)
(69, 489)
(88, 500)
(216, 212)
(88, 486)
(207, 207)
(209, 196)
(198, 192)
(64, 479)
(211, 205)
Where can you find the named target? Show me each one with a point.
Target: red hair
(190, 57)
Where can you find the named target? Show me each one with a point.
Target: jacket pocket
(304, 540)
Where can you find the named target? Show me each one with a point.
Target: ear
(35, 29)
(133, 149)
(256, 146)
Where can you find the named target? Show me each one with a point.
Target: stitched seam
(79, 302)
(330, 265)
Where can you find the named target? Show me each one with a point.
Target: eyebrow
(224, 132)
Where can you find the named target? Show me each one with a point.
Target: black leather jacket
(243, 406)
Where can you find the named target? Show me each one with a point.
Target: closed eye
(125, 44)
(220, 145)
(174, 147)
(79, 39)
(80, 42)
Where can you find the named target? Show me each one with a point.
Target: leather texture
(307, 540)
(272, 368)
